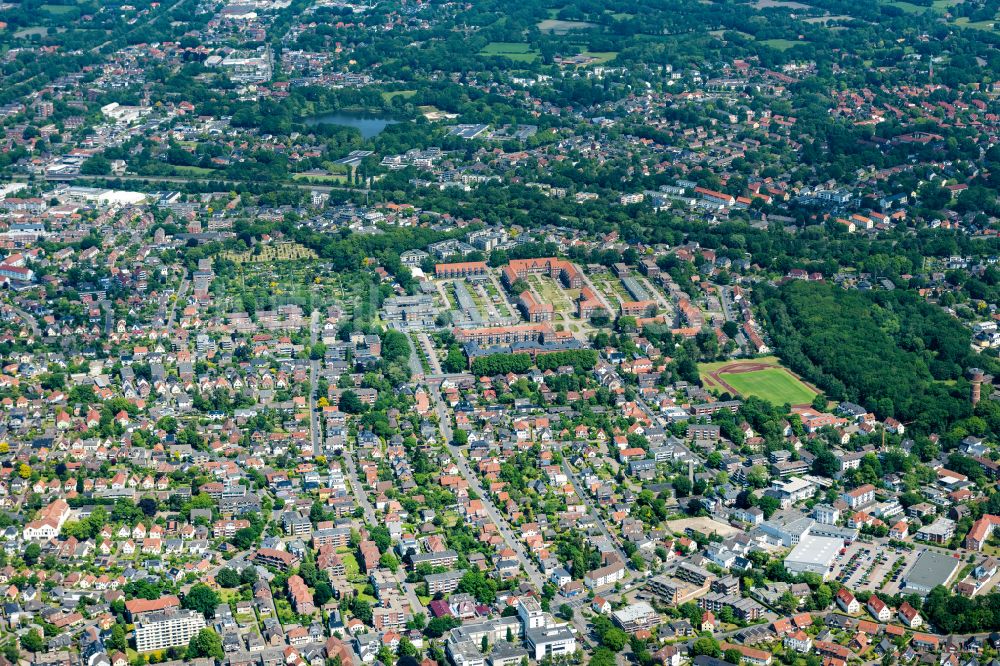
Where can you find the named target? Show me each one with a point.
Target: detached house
(879, 610)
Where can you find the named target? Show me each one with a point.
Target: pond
(368, 124)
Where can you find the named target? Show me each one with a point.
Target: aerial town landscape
(434, 333)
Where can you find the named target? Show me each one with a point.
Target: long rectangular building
(460, 269)
(503, 335)
(158, 631)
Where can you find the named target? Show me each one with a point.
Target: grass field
(780, 44)
(558, 27)
(601, 56)
(963, 22)
(193, 171)
(405, 94)
(58, 9)
(776, 385)
(517, 51)
(321, 178)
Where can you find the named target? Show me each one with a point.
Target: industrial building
(813, 554)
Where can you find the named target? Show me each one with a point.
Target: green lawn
(909, 8)
(351, 567)
(321, 178)
(780, 44)
(517, 51)
(963, 22)
(193, 171)
(775, 385)
(601, 56)
(559, 27)
(405, 94)
(58, 9)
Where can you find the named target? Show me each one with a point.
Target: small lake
(368, 124)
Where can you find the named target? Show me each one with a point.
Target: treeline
(888, 351)
(501, 364)
(955, 614)
(580, 359)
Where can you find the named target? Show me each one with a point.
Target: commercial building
(930, 570)
(550, 642)
(165, 629)
(636, 616)
(813, 554)
(675, 592)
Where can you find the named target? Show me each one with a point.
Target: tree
(732, 655)
(389, 561)
(566, 612)
(201, 598)
(614, 639)
(98, 165)
(603, 657)
(32, 553)
(706, 645)
(149, 506)
(32, 641)
(248, 576)
(351, 403)
(117, 641)
(682, 485)
(227, 578)
(206, 643)
(438, 626)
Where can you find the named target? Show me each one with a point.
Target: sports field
(762, 377)
(775, 385)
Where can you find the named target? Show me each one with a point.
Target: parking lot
(864, 566)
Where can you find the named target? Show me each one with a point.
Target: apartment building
(165, 629)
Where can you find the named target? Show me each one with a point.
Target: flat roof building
(813, 554)
(930, 570)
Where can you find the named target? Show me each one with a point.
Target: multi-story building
(636, 616)
(860, 496)
(166, 629)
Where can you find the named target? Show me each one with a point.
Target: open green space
(780, 44)
(963, 22)
(775, 385)
(58, 9)
(517, 51)
(601, 57)
(405, 94)
(557, 27)
(321, 178)
(193, 171)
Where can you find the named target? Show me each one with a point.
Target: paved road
(315, 432)
(432, 358)
(181, 295)
(29, 320)
(360, 496)
(585, 498)
(498, 519)
(223, 180)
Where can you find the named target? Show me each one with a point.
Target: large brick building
(564, 270)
